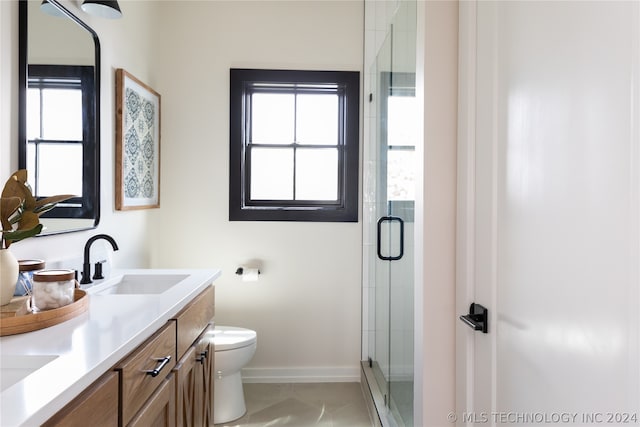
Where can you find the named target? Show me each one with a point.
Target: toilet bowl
(234, 348)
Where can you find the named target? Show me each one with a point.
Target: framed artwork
(137, 144)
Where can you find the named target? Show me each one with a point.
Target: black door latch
(478, 318)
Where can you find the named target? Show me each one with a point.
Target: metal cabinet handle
(203, 357)
(379, 243)
(164, 361)
(477, 319)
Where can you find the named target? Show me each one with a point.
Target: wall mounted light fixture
(102, 8)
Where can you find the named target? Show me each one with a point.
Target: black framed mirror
(59, 112)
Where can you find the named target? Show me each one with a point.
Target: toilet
(234, 348)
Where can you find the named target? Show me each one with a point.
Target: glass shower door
(396, 235)
(394, 138)
(400, 175)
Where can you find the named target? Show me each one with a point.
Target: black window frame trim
(240, 208)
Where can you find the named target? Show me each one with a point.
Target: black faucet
(86, 266)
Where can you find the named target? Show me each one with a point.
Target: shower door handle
(379, 244)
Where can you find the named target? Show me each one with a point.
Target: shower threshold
(381, 414)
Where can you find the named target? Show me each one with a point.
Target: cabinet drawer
(137, 380)
(194, 319)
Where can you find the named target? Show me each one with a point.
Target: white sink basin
(141, 284)
(14, 369)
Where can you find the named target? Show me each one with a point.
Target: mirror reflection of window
(52, 161)
(54, 136)
(58, 114)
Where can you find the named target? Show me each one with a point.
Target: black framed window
(294, 144)
(59, 136)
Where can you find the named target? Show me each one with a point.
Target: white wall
(121, 41)
(437, 66)
(306, 305)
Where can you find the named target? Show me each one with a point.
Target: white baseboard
(301, 375)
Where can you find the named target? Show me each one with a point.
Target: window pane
(59, 169)
(31, 164)
(271, 173)
(33, 114)
(401, 120)
(400, 175)
(62, 114)
(317, 174)
(272, 118)
(317, 120)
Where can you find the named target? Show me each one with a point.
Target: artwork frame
(137, 143)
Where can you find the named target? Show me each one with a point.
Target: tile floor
(303, 405)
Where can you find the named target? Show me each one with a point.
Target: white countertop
(89, 345)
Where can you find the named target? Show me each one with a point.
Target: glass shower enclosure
(389, 209)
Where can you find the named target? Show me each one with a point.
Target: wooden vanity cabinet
(194, 386)
(164, 382)
(96, 406)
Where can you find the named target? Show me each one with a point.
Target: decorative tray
(12, 323)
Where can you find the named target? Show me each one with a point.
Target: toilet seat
(230, 337)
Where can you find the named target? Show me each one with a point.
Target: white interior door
(549, 213)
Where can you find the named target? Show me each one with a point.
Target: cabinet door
(203, 380)
(194, 384)
(159, 410)
(96, 406)
(185, 389)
